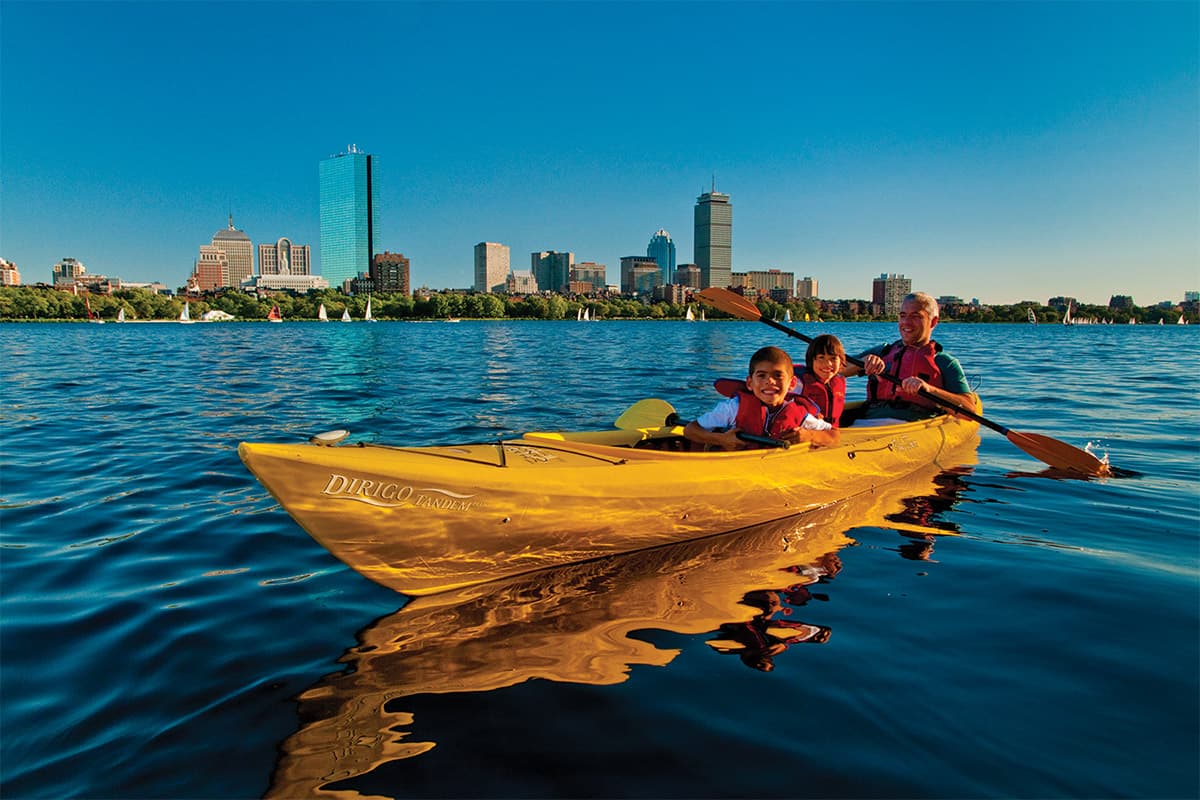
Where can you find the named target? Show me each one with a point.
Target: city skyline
(999, 151)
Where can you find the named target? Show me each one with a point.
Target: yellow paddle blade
(730, 302)
(649, 413)
(1059, 455)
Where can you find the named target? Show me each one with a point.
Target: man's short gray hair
(925, 301)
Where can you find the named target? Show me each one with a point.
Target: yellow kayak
(422, 520)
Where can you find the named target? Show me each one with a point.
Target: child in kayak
(763, 407)
(822, 382)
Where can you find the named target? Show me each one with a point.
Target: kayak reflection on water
(922, 514)
(587, 623)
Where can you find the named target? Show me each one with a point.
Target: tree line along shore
(45, 304)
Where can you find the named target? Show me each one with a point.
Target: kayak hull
(423, 520)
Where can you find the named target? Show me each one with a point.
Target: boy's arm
(726, 440)
(717, 427)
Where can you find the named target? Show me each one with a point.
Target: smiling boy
(762, 408)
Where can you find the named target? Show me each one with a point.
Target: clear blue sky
(1003, 151)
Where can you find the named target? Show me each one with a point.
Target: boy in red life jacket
(763, 408)
(919, 362)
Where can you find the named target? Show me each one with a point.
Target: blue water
(168, 631)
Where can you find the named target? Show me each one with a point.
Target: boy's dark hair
(772, 355)
(824, 345)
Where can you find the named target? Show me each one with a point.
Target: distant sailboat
(787, 315)
(1160, 322)
(367, 316)
(1067, 316)
(274, 315)
(346, 315)
(587, 315)
(702, 319)
(1032, 317)
(579, 314)
(121, 314)
(322, 314)
(91, 317)
(690, 316)
(1181, 320)
(185, 316)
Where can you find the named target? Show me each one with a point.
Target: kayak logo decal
(387, 494)
(531, 454)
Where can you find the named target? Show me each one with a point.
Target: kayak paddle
(1059, 455)
(649, 413)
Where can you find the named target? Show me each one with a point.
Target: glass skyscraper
(714, 239)
(349, 215)
(662, 250)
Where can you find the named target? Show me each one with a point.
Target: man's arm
(955, 388)
(871, 361)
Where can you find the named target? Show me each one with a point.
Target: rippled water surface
(985, 631)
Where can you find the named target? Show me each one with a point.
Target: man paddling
(919, 362)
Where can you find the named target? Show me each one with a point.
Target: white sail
(186, 314)
(787, 315)
(367, 316)
(579, 314)
(322, 314)
(690, 316)
(1032, 317)
(587, 315)
(702, 315)
(1067, 316)
(346, 315)
(121, 315)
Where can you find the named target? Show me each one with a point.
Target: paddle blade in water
(1059, 455)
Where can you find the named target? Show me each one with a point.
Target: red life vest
(829, 398)
(755, 418)
(906, 362)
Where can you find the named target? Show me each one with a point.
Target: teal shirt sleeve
(953, 379)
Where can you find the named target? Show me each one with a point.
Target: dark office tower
(390, 273)
(552, 270)
(349, 215)
(714, 239)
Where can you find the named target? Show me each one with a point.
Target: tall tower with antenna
(713, 240)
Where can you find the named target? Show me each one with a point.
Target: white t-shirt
(723, 416)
